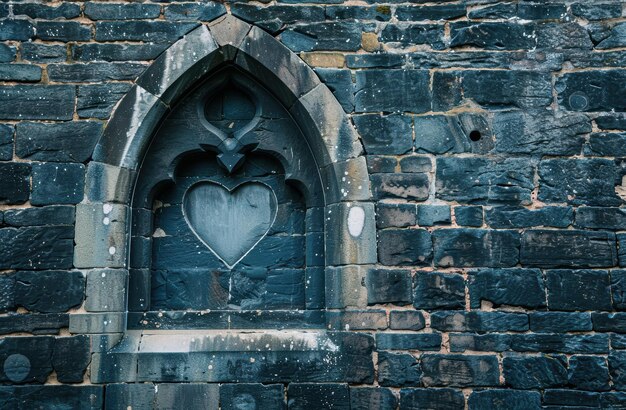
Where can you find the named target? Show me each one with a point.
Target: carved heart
(230, 222)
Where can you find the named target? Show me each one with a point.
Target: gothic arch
(103, 223)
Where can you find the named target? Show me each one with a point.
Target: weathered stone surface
(42, 11)
(57, 183)
(388, 286)
(42, 53)
(16, 29)
(469, 215)
(538, 372)
(578, 290)
(504, 399)
(49, 291)
(62, 31)
(413, 187)
(340, 83)
(404, 247)
(94, 72)
(350, 241)
(398, 370)
(415, 164)
(571, 248)
(274, 17)
(363, 398)
(345, 286)
(502, 287)
(495, 89)
(29, 397)
(600, 11)
(395, 215)
(133, 11)
(15, 183)
(601, 218)
(588, 373)
(414, 399)
(478, 321)
(440, 12)
(385, 134)
(560, 322)
(493, 36)
(106, 290)
(47, 215)
(537, 133)
(606, 144)
(405, 34)
(71, 357)
(47, 247)
(236, 396)
(356, 320)
(6, 142)
(617, 368)
(375, 91)
(326, 396)
(100, 235)
(560, 343)
(438, 290)
(484, 181)
(618, 289)
(115, 52)
(374, 60)
(26, 359)
(119, 395)
(562, 397)
(188, 395)
(519, 217)
(494, 342)
(344, 36)
(62, 142)
(38, 324)
(150, 31)
(406, 320)
(476, 247)
(430, 215)
(609, 322)
(194, 12)
(409, 341)
(20, 72)
(459, 370)
(98, 100)
(29, 102)
(592, 90)
(578, 182)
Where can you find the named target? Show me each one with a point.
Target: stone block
(406, 35)
(457, 370)
(106, 290)
(363, 398)
(52, 396)
(133, 11)
(600, 11)
(340, 83)
(26, 359)
(351, 233)
(606, 144)
(6, 142)
(618, 289)
(477, 180)
(16, 29)
(571, 248)
(398, 370)
(493, 36)
(43, 53)
(535, 372)
(236, 396)
(36, 102)
(413, 187)
(409, 341)
(345, 286)
(376, 91)
(62, 31)
(469, 216)
(431, 215)
(502, 399)
(98, 322)
(406, 320)
(479, 321)
(40, 216)
(71, 357)
(395, 215)
(327, 36)
(136, 396)
(346, 181)
(578, 181)
(60, 142)
(303, 396)
(97, 100)
(401, 247)
(560, 322)
(617, 369)
(560, 343)
(414, 399)
(578, 290)
(388, 286)
(115, 52)
(519, 217)
(600, 218)
(37, 324)
(48, 247)
(374, 60)
(107, 183)
(385, 134)
(591, 90)
(415, 164)
(20, 72)
(502, 287)
(274, 17)
(438, 290)
(439, 12)
(148, 31)
(94, 72)
(588, 373)
(43, 11)
(189, 396)
(49, 291)
(356, 320)
(475, 247)
(15, 183)
(493, 342)
(7, 53)
(57, 183)
(609, 322)
(100, 236)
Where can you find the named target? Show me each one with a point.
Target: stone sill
(227, 319)
(223, 356)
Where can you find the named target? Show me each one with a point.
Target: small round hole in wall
(475, 135)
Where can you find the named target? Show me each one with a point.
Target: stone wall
(495, 139)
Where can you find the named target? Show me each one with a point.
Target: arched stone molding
(103, 222)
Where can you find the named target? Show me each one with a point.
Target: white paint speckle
(356, 221)
(107, 208)
(112, 250)
(106, 221)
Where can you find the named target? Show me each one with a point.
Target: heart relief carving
(230, 222)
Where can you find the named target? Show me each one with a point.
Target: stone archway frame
(103, 218)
